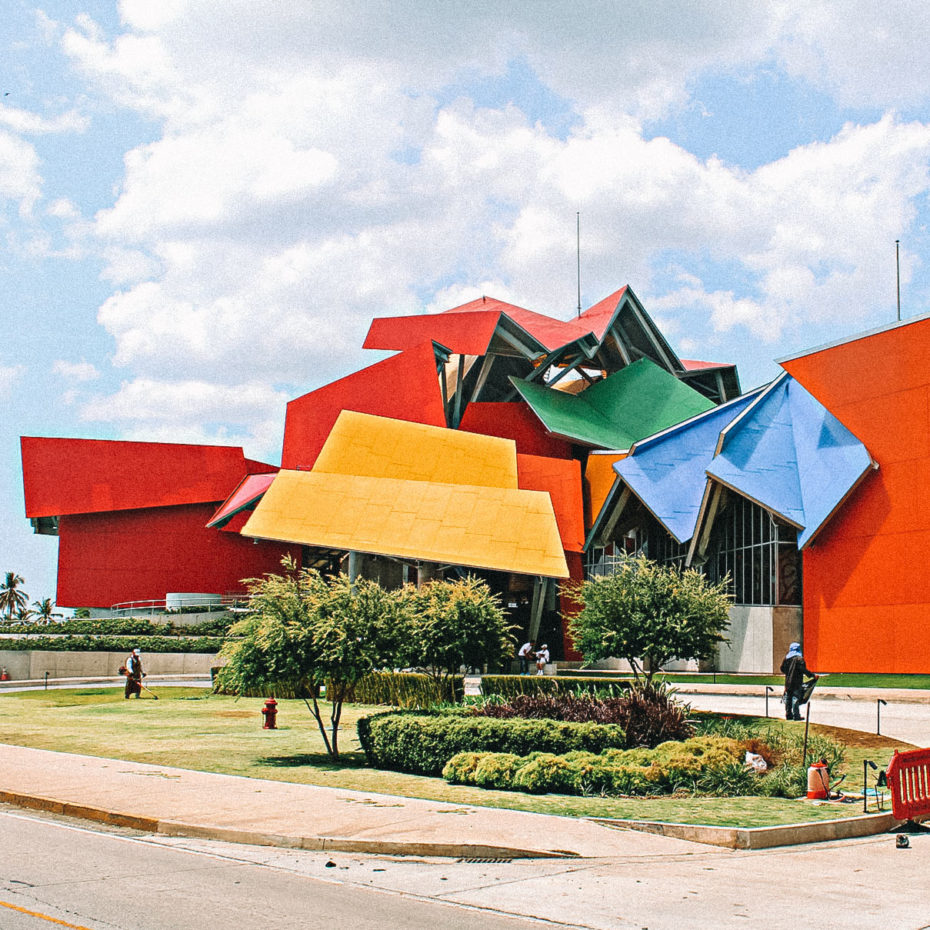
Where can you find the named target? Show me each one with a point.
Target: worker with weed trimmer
(134, 674)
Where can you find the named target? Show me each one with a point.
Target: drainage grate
(478, 859)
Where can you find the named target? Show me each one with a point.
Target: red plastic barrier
(909, 783)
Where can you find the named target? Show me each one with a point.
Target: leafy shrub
(666, 768)
(579, 708)
(495, 770)
(405, 689)
(510, 686)
(782, 747)
(461, 768)
(732, 780)
(545, 772)
(648, 712)
(653, 715)
(786, 781)
(423, 744)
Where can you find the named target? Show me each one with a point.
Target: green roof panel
(633, 403)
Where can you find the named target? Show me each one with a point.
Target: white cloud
(19, 172)
(195, 411)
(75, 371)
(27, 123)
(9, 374)
(304, 179)
(865, 53)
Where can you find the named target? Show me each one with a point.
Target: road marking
(51, 920)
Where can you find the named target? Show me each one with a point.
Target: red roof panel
(248, 491)
(597, 317)
(462, 333)
(69, 476)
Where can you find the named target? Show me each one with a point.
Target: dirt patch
(859, 738)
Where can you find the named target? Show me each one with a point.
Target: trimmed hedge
(121, 626)
(510, 686)
(112, 643)
(406, 689)
(669, 767)
(409, 690)
(422, 744)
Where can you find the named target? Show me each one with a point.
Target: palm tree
(11, 597)
(24, 615)
(43, 610)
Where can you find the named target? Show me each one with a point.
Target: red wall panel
(403, 387)
(866, 587)
(568, 606)
(561, 478)
(104, 559)
(514, 420)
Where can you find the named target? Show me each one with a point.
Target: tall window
(759, 552)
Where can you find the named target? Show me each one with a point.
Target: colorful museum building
(533, 450)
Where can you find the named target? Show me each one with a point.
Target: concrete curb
(796, 834)
(280, 840)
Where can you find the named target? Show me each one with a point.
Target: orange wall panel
(866, 585)
(897, 424)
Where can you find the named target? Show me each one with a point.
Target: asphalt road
(55, 875)
(60, 875)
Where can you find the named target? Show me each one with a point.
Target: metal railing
(207, 602)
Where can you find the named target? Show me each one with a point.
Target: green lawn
(194, 729)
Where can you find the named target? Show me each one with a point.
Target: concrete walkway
(180, 802)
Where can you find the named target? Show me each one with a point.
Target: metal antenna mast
(897, 261)
(578, 249)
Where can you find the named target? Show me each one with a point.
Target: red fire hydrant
(270, 713)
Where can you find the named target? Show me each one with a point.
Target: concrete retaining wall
(34, 664)
(758, 638)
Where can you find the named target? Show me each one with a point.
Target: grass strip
(194, 729)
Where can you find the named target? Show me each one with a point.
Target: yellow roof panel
(504, 529)
(379, 447)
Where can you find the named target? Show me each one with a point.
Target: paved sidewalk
(174, 801)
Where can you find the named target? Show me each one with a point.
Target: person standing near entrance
(795, 670)
(524, 654)
(542, 659)
(134, 674)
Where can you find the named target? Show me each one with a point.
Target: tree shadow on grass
(318, 760)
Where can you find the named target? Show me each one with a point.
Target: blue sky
(203, 203)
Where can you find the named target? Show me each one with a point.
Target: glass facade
(759, 553)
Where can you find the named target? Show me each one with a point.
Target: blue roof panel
(791, 455)
(667, 471)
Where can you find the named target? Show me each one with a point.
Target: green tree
(648, 614)
(12, 597)
(451, 624)
(44, 610)
(23, 615)
(305, 632)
